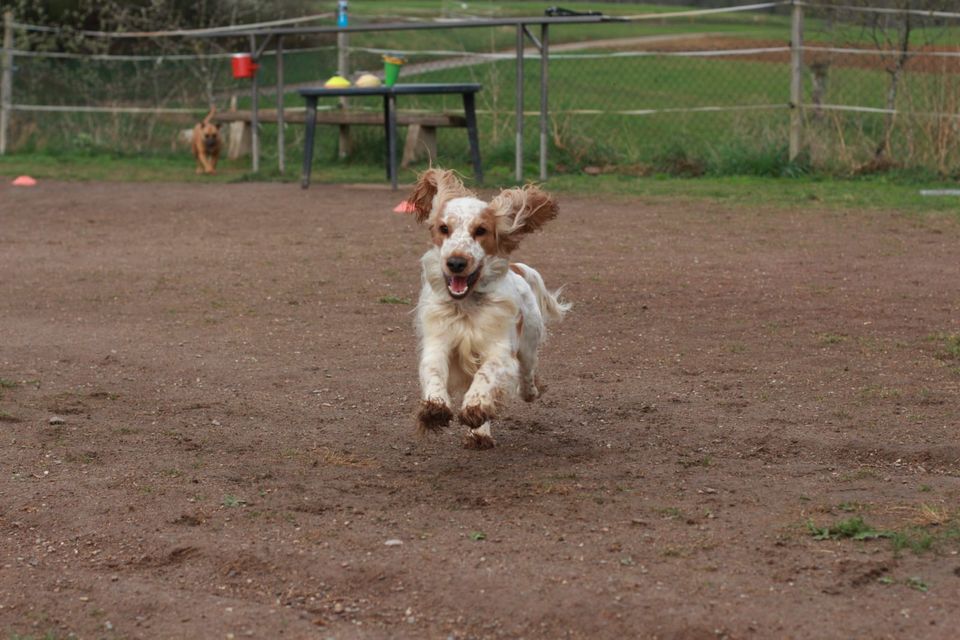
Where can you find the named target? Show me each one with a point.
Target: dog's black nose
(456, 264)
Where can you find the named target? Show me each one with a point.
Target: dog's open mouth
(459, 286)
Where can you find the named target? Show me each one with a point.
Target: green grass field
(899, 193)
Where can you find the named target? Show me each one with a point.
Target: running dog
(206, 144)
(480, 317)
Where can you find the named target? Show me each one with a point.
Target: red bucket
(243, 66)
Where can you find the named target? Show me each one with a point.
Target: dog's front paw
(475, 415)
(478, 440)
(433, 415)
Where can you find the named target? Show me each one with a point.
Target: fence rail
(771, 84)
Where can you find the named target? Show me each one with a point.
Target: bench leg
(238, 140)
(420, 137)
(311, 116)
(346, 142)
(469, 110)
(390, 114)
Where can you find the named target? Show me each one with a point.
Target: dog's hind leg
(530, 387)
(479, 438)
(496, 378)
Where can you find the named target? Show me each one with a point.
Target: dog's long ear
(520, 211)
(433, 188)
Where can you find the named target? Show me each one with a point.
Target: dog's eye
(480, 231)
(444, 229)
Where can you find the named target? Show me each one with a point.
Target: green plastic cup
(391, 69)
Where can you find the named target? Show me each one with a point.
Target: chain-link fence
(883, 87)
(685, 92)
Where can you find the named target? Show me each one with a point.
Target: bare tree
(897, 31)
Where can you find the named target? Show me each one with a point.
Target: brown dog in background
(206, 144)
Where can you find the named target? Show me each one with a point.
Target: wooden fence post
(281, 150)
(544, 104)
(343, 69)
(518, 149)
(796, 81)
(254, 109)
(6, 80)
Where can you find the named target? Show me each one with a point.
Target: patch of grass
(477, 536)
(935, 516)
(344, 458)
(853, 528)
(6, 383)
(925, 488)
(764, 191)
(949, 345)
(879, 392)
(915, 539)
(917, 583)
(831, 338)
(85, 457)
(890, 194)
(863, 473)
(8, 417)
(391, 299)
(669, 513)
(232, 501)
(705, 461)
(930, 530)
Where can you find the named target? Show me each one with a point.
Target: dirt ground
(234, 367)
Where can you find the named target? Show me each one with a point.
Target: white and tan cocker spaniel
(480, 318)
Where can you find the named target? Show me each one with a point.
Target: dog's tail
(551, 306)
(213, 112)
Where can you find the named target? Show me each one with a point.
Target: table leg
(470, 111)
(392, 140)
(386, 134)
(311, 116)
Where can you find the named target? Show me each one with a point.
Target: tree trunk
(903, 55)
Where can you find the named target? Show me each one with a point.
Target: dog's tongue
(458, 284)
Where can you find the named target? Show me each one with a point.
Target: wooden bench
(421, 127)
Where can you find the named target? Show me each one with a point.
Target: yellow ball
(337, 82)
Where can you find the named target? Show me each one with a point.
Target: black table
(468, 91)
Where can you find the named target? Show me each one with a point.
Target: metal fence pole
(254, 109)
(6, 82)
(796, 81)
(544, 60)
(519, 98)
(281, 159)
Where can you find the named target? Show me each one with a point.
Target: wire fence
(685, 92)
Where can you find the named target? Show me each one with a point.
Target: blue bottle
(341, 13)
